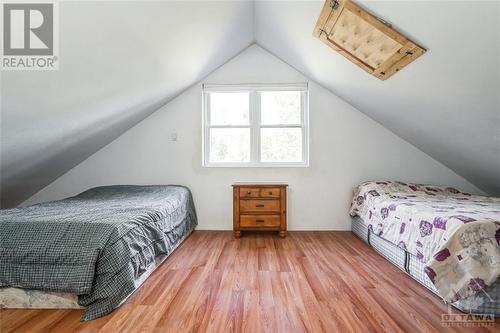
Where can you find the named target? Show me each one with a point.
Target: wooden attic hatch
(364, 39)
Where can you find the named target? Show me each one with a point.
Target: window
(255, 125)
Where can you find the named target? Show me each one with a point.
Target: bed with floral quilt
(447, 239)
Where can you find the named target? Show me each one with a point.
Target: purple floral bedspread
(456, 234)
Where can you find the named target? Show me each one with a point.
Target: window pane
(229, 145)
(229, 108)
(281, 144)
(280, 107)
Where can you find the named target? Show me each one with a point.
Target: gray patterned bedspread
(95, 244)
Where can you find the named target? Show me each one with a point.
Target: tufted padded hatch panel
(364, 39)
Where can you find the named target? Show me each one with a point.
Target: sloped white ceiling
(119, 62)
(446, 103)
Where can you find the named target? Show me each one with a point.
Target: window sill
(261, 165)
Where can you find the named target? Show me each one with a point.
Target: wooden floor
(307, 282)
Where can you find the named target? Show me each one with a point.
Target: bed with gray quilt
(97, 246)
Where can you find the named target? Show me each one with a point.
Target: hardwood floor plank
(307, 282)
(251, 314)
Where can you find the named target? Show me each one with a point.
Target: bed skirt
(487, 302)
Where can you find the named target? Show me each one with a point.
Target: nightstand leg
(282, 233)
(237, 234)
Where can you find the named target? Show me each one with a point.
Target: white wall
(346, 147)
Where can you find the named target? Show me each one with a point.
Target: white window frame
(255, 123)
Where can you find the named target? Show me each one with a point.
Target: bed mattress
(455, 234)
(486, 302)
(97, 245)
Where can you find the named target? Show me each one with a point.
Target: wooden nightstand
(259, 206)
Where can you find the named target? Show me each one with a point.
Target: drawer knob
(249, 192)
(259, 221)
(270, 192)
(260, 206)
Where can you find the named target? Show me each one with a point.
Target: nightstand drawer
(259, 206)
(270, 192)
(259, 221)
(248, 192)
